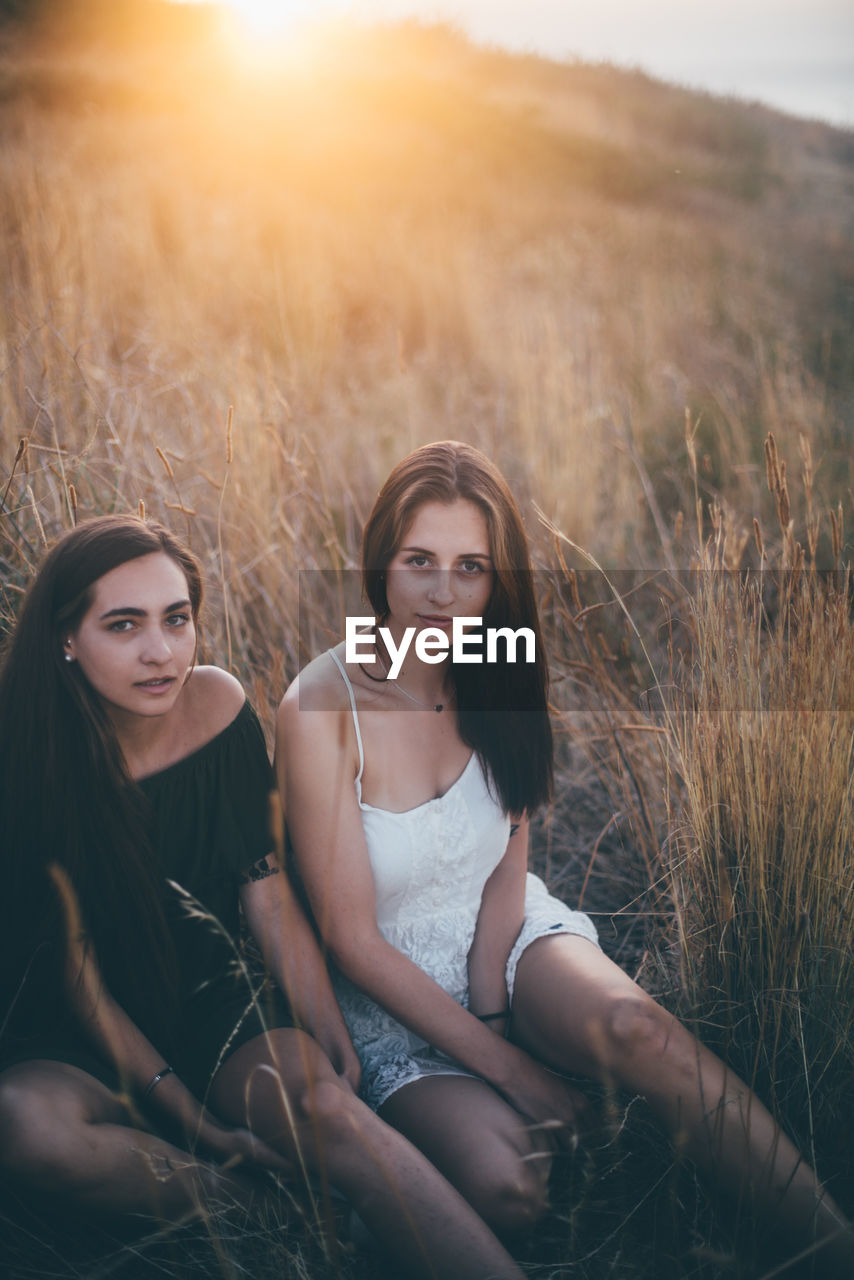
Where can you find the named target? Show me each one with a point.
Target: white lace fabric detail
(545, 915)
(430, 866)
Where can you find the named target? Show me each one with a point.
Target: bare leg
(283, 1088)
(578, 1012)
(63, 1133)
(480, 1143)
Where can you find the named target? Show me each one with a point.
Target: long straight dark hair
(502, 706)
(65, 793)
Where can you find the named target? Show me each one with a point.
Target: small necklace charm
(432, 706)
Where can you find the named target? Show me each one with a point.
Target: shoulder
(318, 687)
(314, 714)
(213, 699)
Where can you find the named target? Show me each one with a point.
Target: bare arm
(293, 957)
(501, 915)
(317, 766)
(135, 1058)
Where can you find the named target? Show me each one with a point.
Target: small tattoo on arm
(258, 871)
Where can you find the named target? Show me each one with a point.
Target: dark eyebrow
(465, 555)
(128, 611)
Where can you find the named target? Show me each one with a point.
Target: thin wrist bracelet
(155, 1081)
(492, 1017)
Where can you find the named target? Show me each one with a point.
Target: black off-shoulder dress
(209, 827)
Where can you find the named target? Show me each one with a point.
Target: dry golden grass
(236, 295)
(389, 244)
(761, 856)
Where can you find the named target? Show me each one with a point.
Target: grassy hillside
(398, 236)
(237, 288)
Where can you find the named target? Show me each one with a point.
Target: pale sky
(794, 54)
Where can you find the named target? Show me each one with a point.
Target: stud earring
(68, 657)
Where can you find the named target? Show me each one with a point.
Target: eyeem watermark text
(433, 643)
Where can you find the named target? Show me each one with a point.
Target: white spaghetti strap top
(430, 865)
(352, 696)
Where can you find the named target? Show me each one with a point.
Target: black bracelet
(155, 1081)
(492, 1017)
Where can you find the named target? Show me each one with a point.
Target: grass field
(236, 291)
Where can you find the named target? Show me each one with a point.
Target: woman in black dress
(134, 790)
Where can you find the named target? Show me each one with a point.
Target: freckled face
(443, 568)
(136, 642)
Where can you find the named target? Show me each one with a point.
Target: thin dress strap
(340, 665)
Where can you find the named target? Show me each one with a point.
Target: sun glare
(264, 19)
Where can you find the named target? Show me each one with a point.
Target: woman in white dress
(466, 988)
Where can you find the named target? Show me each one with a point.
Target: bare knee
(32, 1138)
(511, 1196)
(632, 1029)
(507, 1180)
(518, 1203)
(327, 1107)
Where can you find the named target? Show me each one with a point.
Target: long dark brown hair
(65, 793)
(502, 706)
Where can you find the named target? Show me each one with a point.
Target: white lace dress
(430, 865)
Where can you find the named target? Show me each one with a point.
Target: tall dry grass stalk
(709, 715)
(612, 749)
(761, 869)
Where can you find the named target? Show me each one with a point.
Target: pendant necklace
(429, 706)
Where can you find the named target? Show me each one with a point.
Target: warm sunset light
(266, 18)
